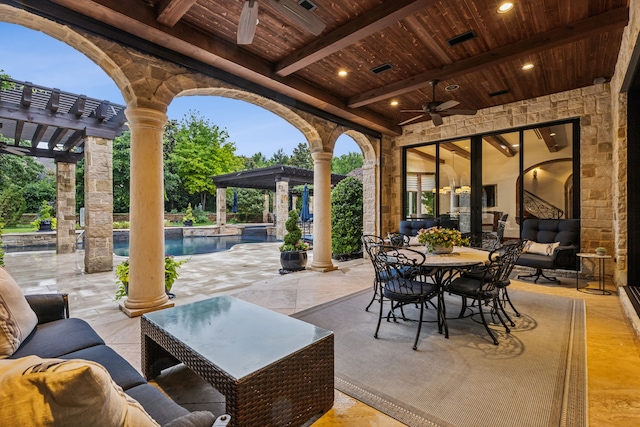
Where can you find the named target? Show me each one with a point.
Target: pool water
(199, 244)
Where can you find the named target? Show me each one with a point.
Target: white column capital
(146, 118)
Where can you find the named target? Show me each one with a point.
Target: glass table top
(238, 337)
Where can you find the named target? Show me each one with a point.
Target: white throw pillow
(17, 319)
(413, 241)
(56, 392)
(540, 248)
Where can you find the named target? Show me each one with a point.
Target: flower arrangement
(443, 237)
(170, 275)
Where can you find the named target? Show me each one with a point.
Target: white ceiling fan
(436, 109)
(291, 10)
(13, 149)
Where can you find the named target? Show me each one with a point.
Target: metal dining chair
(372, 244)
(406, 283)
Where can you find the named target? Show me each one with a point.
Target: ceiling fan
(290, 9)
(436, 109)
(13, 149)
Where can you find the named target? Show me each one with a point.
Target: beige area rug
(535, 377)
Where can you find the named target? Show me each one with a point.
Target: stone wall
(591, 104)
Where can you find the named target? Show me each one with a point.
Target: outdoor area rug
(535, 377)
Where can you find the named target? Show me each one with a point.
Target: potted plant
(188, 219)
(293, 252)
(171, 266)
(44, 221)
(438, 240)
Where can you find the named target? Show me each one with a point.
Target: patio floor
(250, 272)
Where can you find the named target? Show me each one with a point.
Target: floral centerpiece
(441, 240)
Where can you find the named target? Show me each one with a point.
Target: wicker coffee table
(273, 370)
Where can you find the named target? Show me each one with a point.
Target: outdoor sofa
(57, 368)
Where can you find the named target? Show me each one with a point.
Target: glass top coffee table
(273, 370)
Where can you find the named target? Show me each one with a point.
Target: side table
(601, 259)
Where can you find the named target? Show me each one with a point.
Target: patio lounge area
(613, 387)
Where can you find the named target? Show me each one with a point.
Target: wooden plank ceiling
(570, 43)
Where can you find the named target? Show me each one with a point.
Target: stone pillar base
(136, 312)
(323, 268)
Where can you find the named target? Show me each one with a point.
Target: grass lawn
(20, 228)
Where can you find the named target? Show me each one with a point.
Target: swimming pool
(187, 245)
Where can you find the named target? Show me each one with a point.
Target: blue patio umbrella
(234, 208)
(304, 213)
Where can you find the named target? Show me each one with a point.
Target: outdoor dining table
(443, 268)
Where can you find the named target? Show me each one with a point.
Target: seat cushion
(120, 370)
(545, 249)
(536, 261)
(55, 392)
(57, 338)
(160, 407)
(17, 319)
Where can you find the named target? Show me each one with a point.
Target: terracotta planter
(293, 260)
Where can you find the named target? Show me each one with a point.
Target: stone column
(281, 207)
(322, 212)
(265, 208)
(98, 204)
(221, 206)
(146, 240)
(66, 208)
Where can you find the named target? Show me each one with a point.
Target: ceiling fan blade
(299, 16)
(412, 111)
(437, 119)
(464, 112)
(410, 120)
(447, 104)
(248, 22)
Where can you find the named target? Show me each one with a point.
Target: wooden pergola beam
(585, 28)
(171, 11)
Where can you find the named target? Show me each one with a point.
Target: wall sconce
(535, 173)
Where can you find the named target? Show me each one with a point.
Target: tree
(202, 151)
(12, 205)
(19, 170)
(279, 158)
(34, 193)
(301, 157)
(346, 163)
(346, 217)
(256, 161)
(250, 202)
(122, 167)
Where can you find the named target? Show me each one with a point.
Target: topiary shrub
(293, 239)
(346, 218)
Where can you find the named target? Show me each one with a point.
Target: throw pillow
(56, 392)
(17, 319)
(540, 248)
(193, 419)
(413, 241)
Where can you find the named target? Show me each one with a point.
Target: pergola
(45, 122)
(277, 178)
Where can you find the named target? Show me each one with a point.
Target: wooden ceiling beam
(425, 156)
(73, 140)
(450, 146)
(363, 26)
(549, 140)
(38, 134)
(54, 101)
(500, 144)
(585, 28)
(215, 52)
(57, 137)
(169, 12)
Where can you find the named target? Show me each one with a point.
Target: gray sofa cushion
(54, 339)
(156, 404)
(120, 370)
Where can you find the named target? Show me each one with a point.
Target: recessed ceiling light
(527, 66)
(452, 87)
(342, 73)
(505, 7)
(394, 103)
(552, 134)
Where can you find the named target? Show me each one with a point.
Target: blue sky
(33, 56)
